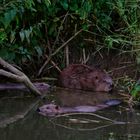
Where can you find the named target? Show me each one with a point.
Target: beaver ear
(96, 77)
(56, 107)
(47, 107)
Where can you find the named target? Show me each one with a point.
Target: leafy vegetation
(135, 92)
(33, 30)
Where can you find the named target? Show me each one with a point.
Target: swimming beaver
(80, 76)
(19, 86)
(52, 109)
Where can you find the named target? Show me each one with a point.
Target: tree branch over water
(15, 74)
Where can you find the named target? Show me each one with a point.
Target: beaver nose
(38, 110)
(111, 88)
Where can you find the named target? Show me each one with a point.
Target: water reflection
(70, 97)
(37, 127)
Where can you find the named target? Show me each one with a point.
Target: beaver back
(80, 76)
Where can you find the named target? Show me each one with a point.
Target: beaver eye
(96, 77)
(56, 107)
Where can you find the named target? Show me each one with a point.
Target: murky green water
(14, 126)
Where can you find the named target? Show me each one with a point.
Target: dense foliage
(32, 29)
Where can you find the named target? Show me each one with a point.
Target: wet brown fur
(80, 76)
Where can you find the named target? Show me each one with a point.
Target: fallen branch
(18, 76)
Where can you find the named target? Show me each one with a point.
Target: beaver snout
(111, 88)
(109, 83)
(108, 80)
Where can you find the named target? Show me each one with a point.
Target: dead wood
(15, 74)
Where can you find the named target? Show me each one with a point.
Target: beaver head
(79, 76)
(98, 80)
(49, 110)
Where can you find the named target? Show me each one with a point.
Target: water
(20, 121)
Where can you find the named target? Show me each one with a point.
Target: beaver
(80, 76)
(19, 86)
(53, 110)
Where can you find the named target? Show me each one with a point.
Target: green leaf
(27, 35)
(22, 35)
(29, 4)
(39, 51)
(39, 1)
(12, 36)
(3, 35)
(52, 29)
(56, 19)
(64, 4)
(8, 17)
(7, 55)
(74, 7)
(47, 2)
(85, 26)
(135, 92)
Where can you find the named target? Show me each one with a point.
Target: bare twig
(84, 55)
(57, 50)
(92, 114)
(48, 42)
(60, 28)
(67, 55)
(55, 65)
(63, 45)
(85, 129)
